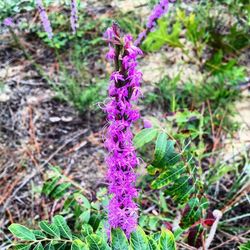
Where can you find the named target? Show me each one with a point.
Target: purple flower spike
(124, 88)
(44, 18)
(73, 16)
(8, 22)
(158, 11)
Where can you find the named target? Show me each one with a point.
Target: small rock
(55, 119)
(67, 119)
(4, 97)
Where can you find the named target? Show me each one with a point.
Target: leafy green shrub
(86, 224)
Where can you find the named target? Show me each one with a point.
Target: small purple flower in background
(147, 123)
(73, 16)
(124, 87)
(44, 18)
(159, 10)
(8, 22)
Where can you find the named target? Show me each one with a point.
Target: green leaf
(50, 229)
(145, 136)
(82, 200)
(102, 231)
(181, 189)
(245, 246)
(95, 242)
(193, 212)
(156, 39)
(60, 190)
(139, 240)
(167, 241)
(78, 245)
(39, 234)
(170, 158)
(49, 186)
(39, 246)
(119, 240)
(152, 244)
(65, 231)
(21, 246)
(160, 148)
(86, 230)
(69, 202)
(156, 236)
(152, 170)
(168, 176)
(85, 216)
(21, 232)
(49, 246)
(94, 221)
(61, 246)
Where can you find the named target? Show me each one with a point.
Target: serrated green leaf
(78, 245)
(167, 241)
(95, 242)
(119, 240)
(39, 234)
(60, 190)
(50, 229)
(145, 136)
(21, 232)
(21, 246)
(38, 246)
(139, 240)
(65, 231)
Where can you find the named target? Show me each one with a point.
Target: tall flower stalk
(122, 161)
(158, 11)
(73, 16)
(44, 18)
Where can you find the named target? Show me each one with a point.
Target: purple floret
(124, 88)
(158, 11)
(8, 22)
(44, 18)
(73, 16)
